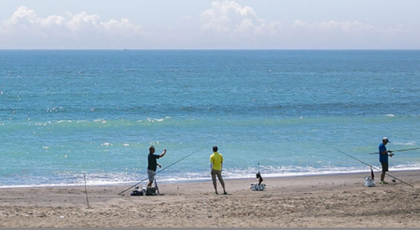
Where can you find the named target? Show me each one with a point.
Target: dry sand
(312, 201)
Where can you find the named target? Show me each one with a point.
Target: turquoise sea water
(63, 113)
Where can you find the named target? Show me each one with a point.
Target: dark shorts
(384, 166)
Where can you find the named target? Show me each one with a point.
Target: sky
(210, 24)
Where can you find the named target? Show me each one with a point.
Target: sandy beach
(309, 201)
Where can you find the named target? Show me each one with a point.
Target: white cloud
(225, 24)
(230, 19)
(81, 21)
(25, 25)
(228, 23)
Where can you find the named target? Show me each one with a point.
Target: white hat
(386, 139)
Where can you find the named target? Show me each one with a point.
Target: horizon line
(200, 49)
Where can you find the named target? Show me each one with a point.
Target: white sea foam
(404, 143)
(97, 179)
(64, 121)
(155, 119)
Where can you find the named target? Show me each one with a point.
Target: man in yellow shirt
(216, 165)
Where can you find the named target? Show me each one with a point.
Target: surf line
(398, 150)
(380, 170)
(176, 162)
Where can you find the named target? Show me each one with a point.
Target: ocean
(69, 113)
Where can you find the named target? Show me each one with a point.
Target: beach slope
(310, 201)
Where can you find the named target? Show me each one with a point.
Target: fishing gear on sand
(370, 181)
(162, 170)
(376, 168)
(399, 150)
(258, 186)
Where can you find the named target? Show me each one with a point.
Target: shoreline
(305, 201)
(119, 184)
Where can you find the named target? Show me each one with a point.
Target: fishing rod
(368, 165)
(398, 150)
(162, 170)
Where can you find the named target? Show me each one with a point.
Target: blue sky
(204, 24)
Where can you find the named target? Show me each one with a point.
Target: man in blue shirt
(383, 158)
(152, 163)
